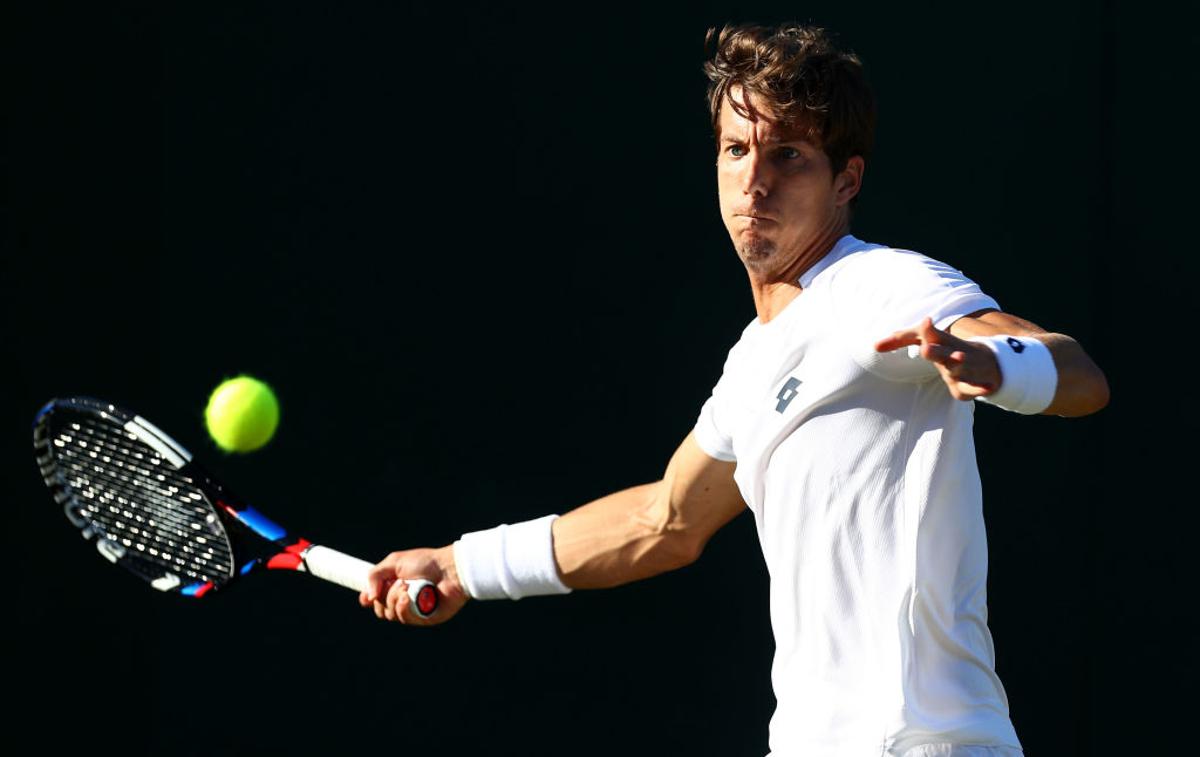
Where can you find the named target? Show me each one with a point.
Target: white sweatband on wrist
(1028, 377)
(509, 562)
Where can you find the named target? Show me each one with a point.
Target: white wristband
(1028, 376)
(509, 562)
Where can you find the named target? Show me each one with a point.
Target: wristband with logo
(1028, 376)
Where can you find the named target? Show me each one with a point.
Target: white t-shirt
(860, 469)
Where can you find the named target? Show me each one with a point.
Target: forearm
(620, 538)
(633, 534)
(1081, 388)
(630, 535)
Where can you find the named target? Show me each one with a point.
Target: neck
(772, 293)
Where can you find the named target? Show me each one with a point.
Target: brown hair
(799, 78)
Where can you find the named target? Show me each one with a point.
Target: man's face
(779, 200)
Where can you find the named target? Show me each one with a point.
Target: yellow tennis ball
(242, 414)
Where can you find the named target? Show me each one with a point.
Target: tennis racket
(138, 496)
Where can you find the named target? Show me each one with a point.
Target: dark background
(477, 252)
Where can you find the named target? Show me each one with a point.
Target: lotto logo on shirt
(786, 394)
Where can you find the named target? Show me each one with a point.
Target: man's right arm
(649, 529)
(626, 536)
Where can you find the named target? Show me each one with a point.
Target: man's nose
(757, 178)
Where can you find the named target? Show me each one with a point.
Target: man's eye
(736, 151)
(789, 153)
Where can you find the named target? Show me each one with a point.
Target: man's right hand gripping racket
(139, 497)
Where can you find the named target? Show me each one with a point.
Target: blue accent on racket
(263, 525)
(45, 409)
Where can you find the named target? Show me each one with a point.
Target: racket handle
(351, 572)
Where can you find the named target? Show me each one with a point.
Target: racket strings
(114, 461)
(139, 501)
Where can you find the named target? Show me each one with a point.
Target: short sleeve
(713, 427)
(715, 443)
(889, 290)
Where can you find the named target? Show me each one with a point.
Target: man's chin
(757, 254)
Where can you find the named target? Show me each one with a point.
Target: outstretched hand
(969, 369)
(387, 591)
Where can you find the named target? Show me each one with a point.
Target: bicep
(697, 494)
(649, 529)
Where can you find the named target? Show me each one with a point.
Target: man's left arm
(970, 369)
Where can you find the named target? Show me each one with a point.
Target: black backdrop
(477, 252)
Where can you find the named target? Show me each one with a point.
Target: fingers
(922, 333)
(941, 347)
(965, 376)
(390, 599)
(398, 602)
(901, 338)
(379, 576)
(951, 362)
(965, 391)
(379, 582)
(968, 370)
(946, 356)
(387, 593)
(905, 338)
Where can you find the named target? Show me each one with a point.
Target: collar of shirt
(841, 249)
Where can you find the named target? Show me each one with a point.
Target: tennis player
(842, 420)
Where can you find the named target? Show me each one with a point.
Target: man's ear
(848, 183)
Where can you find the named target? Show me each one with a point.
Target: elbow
(1083, 384)
(676, 547)
(683, 549)
(1101, 393)
(676, 544)
(1090, 397)
(659, 553)
(1096, 395)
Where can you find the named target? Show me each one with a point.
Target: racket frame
(255, 541)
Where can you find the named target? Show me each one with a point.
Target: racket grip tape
(351, 572)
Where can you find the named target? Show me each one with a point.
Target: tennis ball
(242, 414)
